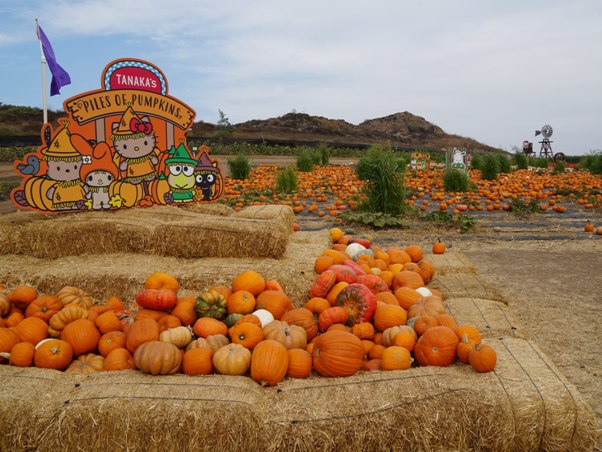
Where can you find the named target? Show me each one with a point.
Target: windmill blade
(537, 132)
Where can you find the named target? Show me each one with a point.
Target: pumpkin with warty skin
(211, 304)
(232, 359)
(162, 300)
(323, 284)
(269, 362)
(158, 358)
(359, 302)
(337, 354)
(436, 347)
(331, 316)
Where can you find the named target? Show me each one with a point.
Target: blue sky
(493, 71)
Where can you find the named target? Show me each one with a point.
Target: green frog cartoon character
(180, 174)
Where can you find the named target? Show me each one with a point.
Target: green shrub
(520, 158)
(538, 162)
(305, 161)
(477, 162)
(385, 191)
(239, 166)
(592, 162)
(324, 151)
(491, 168)
(455, 180)
(286, 180)
(503, 162)
(559, 168)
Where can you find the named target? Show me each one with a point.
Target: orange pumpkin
(246, 334)
(32, 329)
(388, 315)
(337, 354)
(21, 354)
(197, 361)
(269, 362)
(53, 354)
(275, 302)
(22, 296)
(161, 281)
(119, 359)
(249, 280)
(184, 310)
(111, 341)
(208, 326)
(482, 358)
(241, 302)
(299, 363)
(108, 321)
(83, 336)
(141, 331)
(395, 358)
(44, 307)
(304, 318)
(406, 278)
(290, 336)
(436, 347)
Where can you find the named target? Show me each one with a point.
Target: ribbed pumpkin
(249, 280)
(184, 310)
(180, 336)
(86, 364)
(299, 363)
(337, 354)
(290, 336)
(108, 321)
(211, 304)
(22, 296)
(436, 347)
(390, 333)
(232, 359)
(323, 284)
(359, 302)
(65, 316)
(406, 297)
(304, 318)
(161, 281)
(197, 361)
(158, 358)
(274, 301)
(32, 329)
(432, 306)
(73, 295)
(415, 252)
(141, 331)
(269, 362)
(83, 336)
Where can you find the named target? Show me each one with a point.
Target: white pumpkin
(354, 248)
(265, 316)
(424, 292)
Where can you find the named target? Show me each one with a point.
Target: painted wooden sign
(123, 145)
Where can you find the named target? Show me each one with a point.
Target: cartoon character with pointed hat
(98, 175)
(64, 158)
(180, 174)
(208, 177)
(135, 144)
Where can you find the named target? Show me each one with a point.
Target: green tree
(224, 128)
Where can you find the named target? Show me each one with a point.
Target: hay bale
(525, 404)
(104, 275)
(465, 285)
(451, 262)
(162, 230)
(491, 318)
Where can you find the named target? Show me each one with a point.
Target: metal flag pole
(43, 73)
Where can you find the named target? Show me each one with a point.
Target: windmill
(546, 145)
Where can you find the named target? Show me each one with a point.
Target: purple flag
(60, 77)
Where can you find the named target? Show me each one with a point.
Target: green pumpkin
(211, 304)
(231, 320)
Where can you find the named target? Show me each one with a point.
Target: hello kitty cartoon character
(135, 145)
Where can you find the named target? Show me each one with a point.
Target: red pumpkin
(160, 299)
(359, 302)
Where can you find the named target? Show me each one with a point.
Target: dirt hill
(399, 129)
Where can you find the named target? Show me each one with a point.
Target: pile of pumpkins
(369, 309)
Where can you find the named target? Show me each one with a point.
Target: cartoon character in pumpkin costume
(135, 146)
(180, 174)
(97, 176)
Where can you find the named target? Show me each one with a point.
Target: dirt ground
(545, 266)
